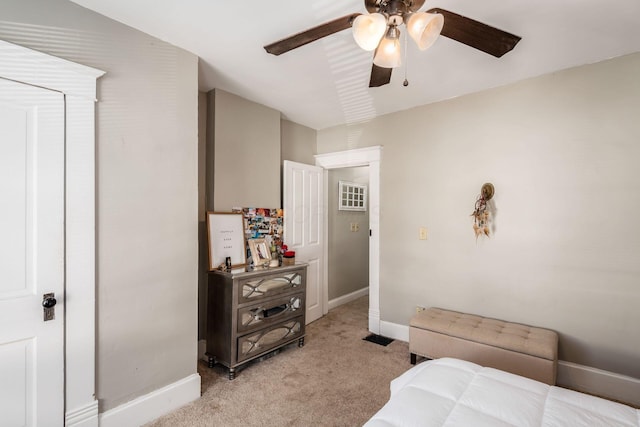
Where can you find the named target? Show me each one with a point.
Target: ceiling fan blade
(380, 76)
(311, 35)
(476, 34)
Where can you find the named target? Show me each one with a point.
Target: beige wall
(241, 162)
(246, 142)
(147, 203)
(298, 142)
(348, 261)
(202, 209)
(202, 156)
(241, 166)
(562, 151)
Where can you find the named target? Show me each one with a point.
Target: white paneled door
(303, 228)
(31, 255)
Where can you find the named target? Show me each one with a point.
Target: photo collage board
(263, 223)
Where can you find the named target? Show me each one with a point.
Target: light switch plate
(423, 233)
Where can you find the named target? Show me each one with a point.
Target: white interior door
(31, 255)
(303, 202)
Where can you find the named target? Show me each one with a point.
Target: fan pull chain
(405, 83)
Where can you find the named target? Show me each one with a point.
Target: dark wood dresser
(253, 313)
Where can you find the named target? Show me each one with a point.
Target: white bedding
(452, 392)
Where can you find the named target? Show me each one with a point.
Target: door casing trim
(372, 157)
(78, 84)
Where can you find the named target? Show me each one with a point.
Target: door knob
(49, 302)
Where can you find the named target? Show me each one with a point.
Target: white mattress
(452, 392)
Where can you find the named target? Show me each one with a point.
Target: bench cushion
(512, 347)
(516, 337)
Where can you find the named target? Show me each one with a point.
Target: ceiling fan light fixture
(424, 28)
(368, 30)
(388, 51)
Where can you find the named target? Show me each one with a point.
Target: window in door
(352, 196)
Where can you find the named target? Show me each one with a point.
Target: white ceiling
(325, 83)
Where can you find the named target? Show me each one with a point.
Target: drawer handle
(270, 312)
(260, 313)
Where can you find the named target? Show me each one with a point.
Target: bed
(453, 392)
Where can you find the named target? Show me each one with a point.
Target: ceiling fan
(378, 31)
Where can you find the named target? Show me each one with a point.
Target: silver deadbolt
(48, 304)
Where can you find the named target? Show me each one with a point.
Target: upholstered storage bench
(520, 349)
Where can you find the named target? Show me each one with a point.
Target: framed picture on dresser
(260, 252)
(225, 235)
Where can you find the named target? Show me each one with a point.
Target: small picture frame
(225, 232)
(260, 252)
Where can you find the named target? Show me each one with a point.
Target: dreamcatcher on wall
(484, 212)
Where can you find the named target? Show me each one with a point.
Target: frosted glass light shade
(368, 30)
(388, 52)
(424, 28)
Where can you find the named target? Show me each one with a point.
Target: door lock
(49, 304)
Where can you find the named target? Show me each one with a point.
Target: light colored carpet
(336, 379)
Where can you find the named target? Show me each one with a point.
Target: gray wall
(562, 151)
(147, 203)
(348, 263)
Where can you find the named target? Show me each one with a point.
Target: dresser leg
(212, 361)
(301, 342)
(413, 358)
(232, 374)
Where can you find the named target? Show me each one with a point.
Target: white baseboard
(395, 331)
(601, 383)
(571, 375)
(336, 302)
(374, 321)
(153, 405)
(86, 416)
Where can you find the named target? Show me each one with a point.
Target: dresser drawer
(253, 289)
(272, 311)
(256, 343)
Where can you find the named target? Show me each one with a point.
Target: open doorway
(371, 157)
(347, 235)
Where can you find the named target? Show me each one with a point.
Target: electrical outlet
(423, 233)
(419, 308)
(355, 226)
